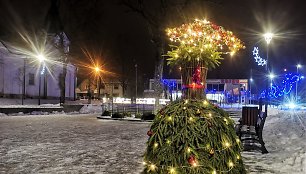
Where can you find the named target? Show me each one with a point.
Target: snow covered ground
(285, 137)
(80, 143)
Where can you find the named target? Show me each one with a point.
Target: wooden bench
(250, 128)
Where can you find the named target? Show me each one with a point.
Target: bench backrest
(250, 116)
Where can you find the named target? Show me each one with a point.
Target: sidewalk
(44, 102)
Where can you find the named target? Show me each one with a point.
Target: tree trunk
(193, 80)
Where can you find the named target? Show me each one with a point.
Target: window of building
(31, 79)
(215, 87)
(209, 87)
(116, 86)
(221, 87)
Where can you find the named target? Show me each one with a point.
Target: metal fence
(128, 108)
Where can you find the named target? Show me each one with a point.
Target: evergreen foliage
(201, 40)
(193, 137)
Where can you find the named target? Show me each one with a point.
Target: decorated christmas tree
(193, 136)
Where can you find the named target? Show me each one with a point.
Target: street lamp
(136, 83)
(24, 82)
(41, 59)
(251, 80)
(268, 37)
(296, 86)
(97, 70)
(271, 76)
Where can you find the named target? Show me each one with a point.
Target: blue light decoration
(260, 61)
(276, 91)
(171, 84)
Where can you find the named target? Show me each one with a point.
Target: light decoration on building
(260, 61)
(289, 81)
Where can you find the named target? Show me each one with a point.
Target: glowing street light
(271, 76)
(268, 37)
(97, 69)
(41, 58)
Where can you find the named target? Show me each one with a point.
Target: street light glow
(41, 58)
(271, 76)
(298, 66)
(268, 37)
(97, 69)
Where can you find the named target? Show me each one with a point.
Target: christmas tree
(193, 136)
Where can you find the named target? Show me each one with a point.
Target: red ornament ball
(191, 160)
(150, 133)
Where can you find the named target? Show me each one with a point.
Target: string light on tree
(193, 135)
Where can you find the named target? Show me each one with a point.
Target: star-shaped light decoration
(260, 61)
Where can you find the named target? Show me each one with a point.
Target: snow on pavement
(285, 137)
(70, 144)
(82, 144)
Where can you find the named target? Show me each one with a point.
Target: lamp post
(41, 59)
(136, 83)
(268, 38)
(296, 86)
(251, 80)
(97, 69)
(24, 81)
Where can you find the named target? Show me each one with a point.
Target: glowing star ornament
(260, 61)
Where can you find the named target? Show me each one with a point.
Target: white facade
(12, 77)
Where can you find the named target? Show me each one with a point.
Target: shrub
(126, 114)
(138, 115)
(148, 116)
(106, 113)
(117, 115)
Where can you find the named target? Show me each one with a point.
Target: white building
(14, 82)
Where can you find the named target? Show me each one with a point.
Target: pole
(112, 97)
(89, 91)
(251, 80)
(136, 82)
(39, 88)
(267, 90)
(98, 87)
(296, 86)
(24, 81)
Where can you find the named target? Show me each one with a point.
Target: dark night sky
(121, 35)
